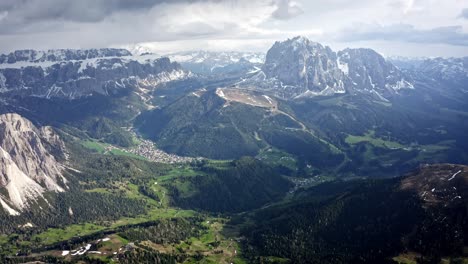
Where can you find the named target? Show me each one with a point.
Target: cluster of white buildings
(147, 149)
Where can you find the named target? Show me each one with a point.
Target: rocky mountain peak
(370, 72)
(299, 67)
(301, 42)
(304, 64)
(14, 123)
(27, 166)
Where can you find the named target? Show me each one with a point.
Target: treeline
(71, 208)
(241, 185)
(165, 231)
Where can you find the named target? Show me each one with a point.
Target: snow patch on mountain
(343, 66)
(210, 62)
(454, 175)
(222, 58)
(220, 93)
(401, 84)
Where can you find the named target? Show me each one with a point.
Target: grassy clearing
(99, 190)
(153, 214)
(113, 245)
(336, 101)
(119, 152)
(54, 235)
(103, 148)
(3, 239)
(278, 158)
(212, 244)
(181, 171)
(93, 145)
(376, 142)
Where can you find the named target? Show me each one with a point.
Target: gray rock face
(301, 63)
(81, 73)
(27, 166)
(370, 72)
(298, 68)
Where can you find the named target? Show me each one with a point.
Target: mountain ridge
(28, 168)
(56, 55)
(77, 78)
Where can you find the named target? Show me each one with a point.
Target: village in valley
(147, 149)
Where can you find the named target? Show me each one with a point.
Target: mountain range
(299, 155)
(76, 73)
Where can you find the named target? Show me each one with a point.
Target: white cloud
(452, 35)
(464, 13)
(287, 9)
(229, 24)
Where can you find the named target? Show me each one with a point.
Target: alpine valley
(300, 155)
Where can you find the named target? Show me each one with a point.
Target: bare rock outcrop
(28, 169)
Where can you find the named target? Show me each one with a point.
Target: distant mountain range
(219, 63)
(77, 73)
(59, 55)
(292, 69)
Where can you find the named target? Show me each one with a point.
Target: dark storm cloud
(452, 35)
(20, 12)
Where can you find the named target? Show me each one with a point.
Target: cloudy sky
(392, 27)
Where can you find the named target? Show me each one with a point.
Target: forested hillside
(367, 221)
